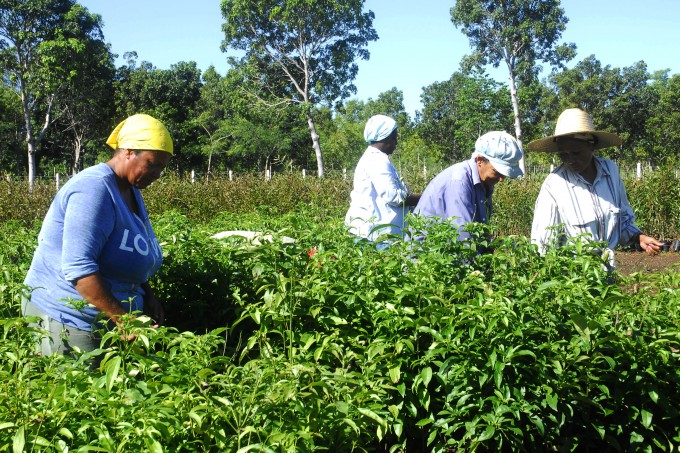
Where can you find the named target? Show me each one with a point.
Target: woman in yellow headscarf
(96, 248)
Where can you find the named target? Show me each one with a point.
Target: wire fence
(627, 170)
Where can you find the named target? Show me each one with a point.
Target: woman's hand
(650, 245)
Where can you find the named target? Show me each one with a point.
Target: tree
(302, 51)
(86, 100)
(210, 112)
(10, 129)
(171, 95)
(619, 100)
(663, 125)
(457, 111)
(517, 32)
(390, 103)
(41, 42)
(344, 133)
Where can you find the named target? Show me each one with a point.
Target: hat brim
(509, 171)
(549, 144)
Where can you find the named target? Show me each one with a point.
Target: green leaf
(398, 429)
(196, 417)
(112, 370)
(395, 373)
(352, 425)
(342, 407)
(539, 424)
(426, 375)
(19, 441)
(338, 321)
(581, 324)
(548, 285)
(156, 447)
(375, 417)
(257, 447)
(646, 418)
(487, 434)
(222, 400)
(256, 316)
(654, 396)
(66, 433)
(600, 430)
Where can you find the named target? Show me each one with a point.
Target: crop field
(324, 344)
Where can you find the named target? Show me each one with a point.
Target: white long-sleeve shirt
(377, 198)
(600, 209)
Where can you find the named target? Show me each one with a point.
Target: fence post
(344, 173)
(424, 171)
(267, 175)
(231, 175)
(304, 173)
(56, 177)
(638, 171)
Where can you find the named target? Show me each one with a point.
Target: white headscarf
(378, 128)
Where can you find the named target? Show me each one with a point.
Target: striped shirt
(601, 209)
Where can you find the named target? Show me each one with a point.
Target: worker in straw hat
(379, 197)
(96, 248)
(584, 195)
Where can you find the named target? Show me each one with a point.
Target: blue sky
(418, 45)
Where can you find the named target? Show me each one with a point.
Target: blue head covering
(503, 152)
(378, 128)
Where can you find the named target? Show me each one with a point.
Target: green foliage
(323, 36)
(44, 45)
(16, 251)
(518, 33)
(300, 51)
(170, 95)
(324, 344)
(513, 205)
(457, 111)
(656, 201)
(619, 100)
(663, 125)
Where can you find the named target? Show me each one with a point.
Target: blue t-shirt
(90, 228)
(457, 194)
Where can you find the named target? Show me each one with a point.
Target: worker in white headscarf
(379, 198)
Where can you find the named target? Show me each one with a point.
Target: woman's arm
(95, 291)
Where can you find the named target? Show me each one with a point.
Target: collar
(474, 171)
(476, 180)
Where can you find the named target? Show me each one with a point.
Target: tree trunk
(518, 114)
(77, 155)
(31, 140)
(315, 143)
(31, 165)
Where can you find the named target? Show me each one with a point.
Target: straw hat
(575, 122)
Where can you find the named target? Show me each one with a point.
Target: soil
(630, 262)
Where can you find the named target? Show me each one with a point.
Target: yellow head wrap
(141, 132)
